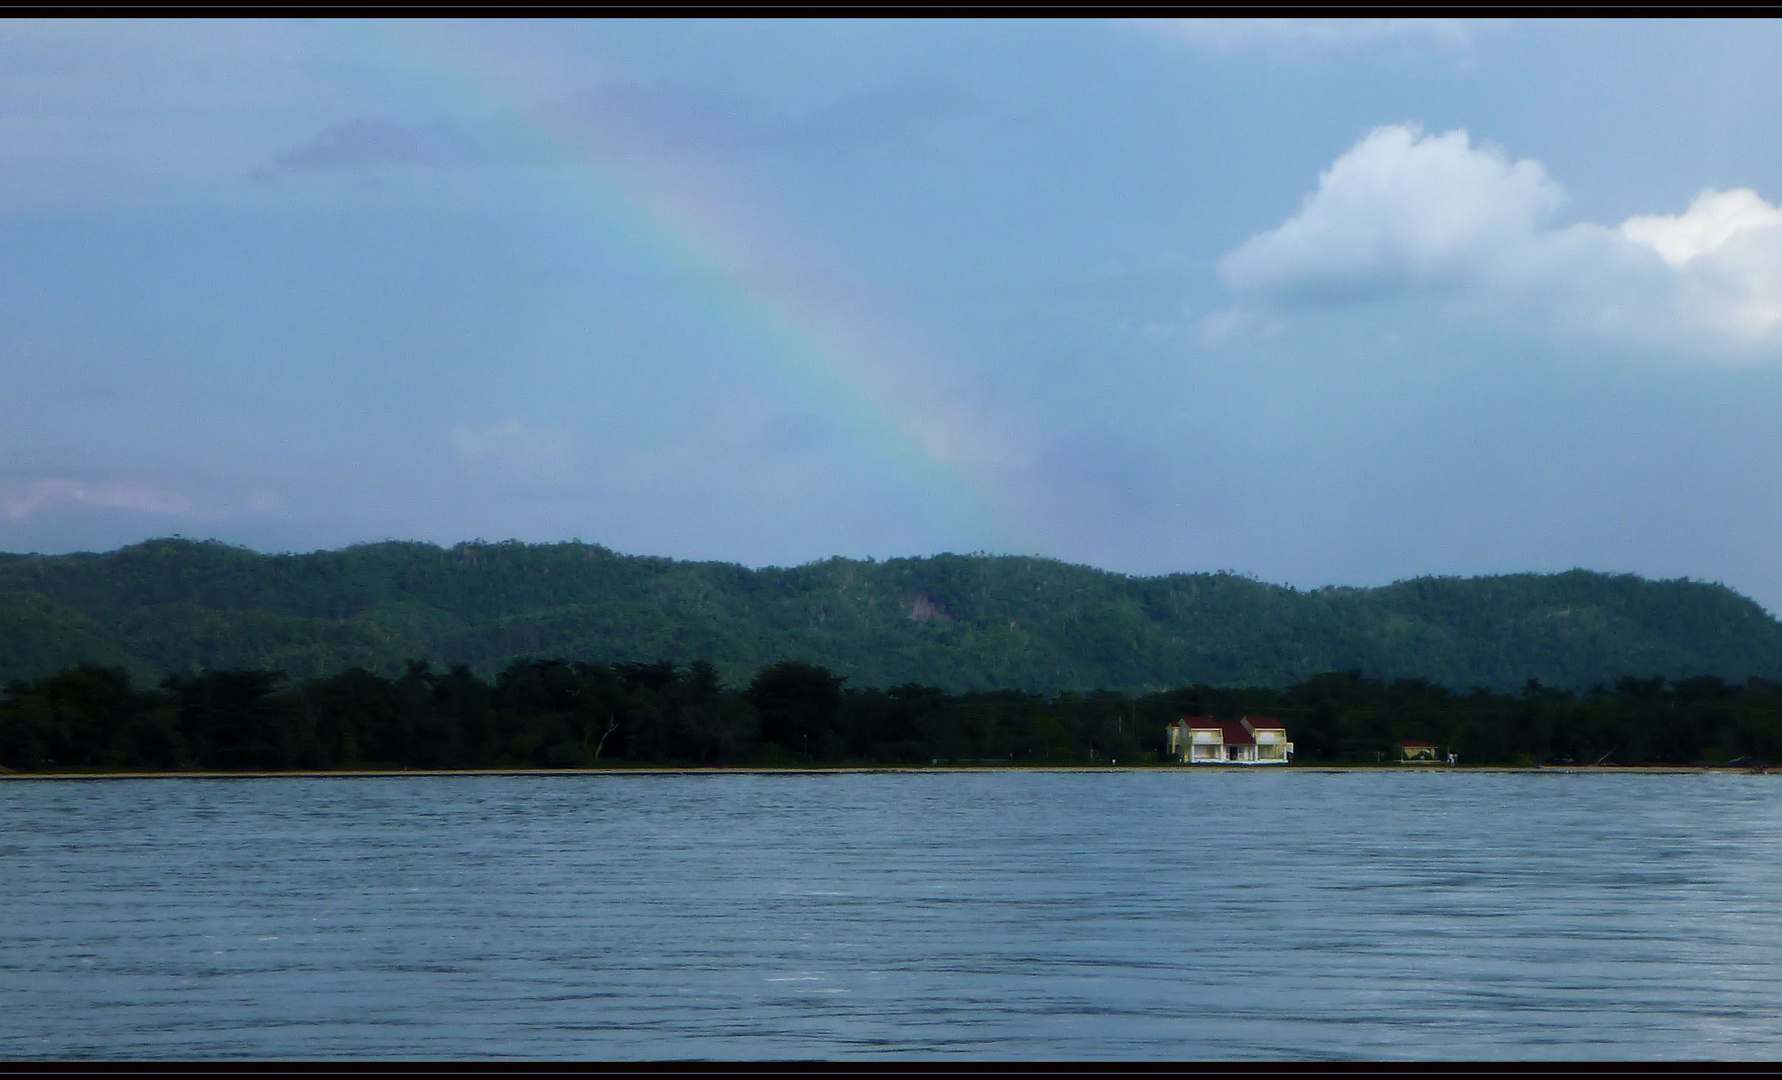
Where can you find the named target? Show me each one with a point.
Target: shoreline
(847, 770)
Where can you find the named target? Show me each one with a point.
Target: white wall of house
(1272, 745)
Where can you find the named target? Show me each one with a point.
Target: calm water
(990, 915)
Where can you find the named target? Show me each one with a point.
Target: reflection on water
(1151, 914)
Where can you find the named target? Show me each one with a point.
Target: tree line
(965, 623)
(562, 714)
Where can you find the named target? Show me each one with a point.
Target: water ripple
(1155, 914)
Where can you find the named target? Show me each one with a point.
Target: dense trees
(563, 714)
(963, 623)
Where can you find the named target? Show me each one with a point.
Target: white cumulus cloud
(1403, 212)
(1400, 210)
(1726, 254)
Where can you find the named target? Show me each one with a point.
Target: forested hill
(957, 622)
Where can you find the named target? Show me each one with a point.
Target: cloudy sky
(1329, 303)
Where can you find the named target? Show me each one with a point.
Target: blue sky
(1326, 302)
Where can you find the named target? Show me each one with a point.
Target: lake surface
(1140, 915)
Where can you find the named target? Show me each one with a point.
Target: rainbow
(820, 354)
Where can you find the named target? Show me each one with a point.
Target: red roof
(1231, 732)
(1266, 722)
(1418, 744)
(1234, 733)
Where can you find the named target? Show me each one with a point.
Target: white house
(1254, 740)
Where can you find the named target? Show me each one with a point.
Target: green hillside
(958, 622)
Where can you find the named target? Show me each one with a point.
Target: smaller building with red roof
(1417, 750)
